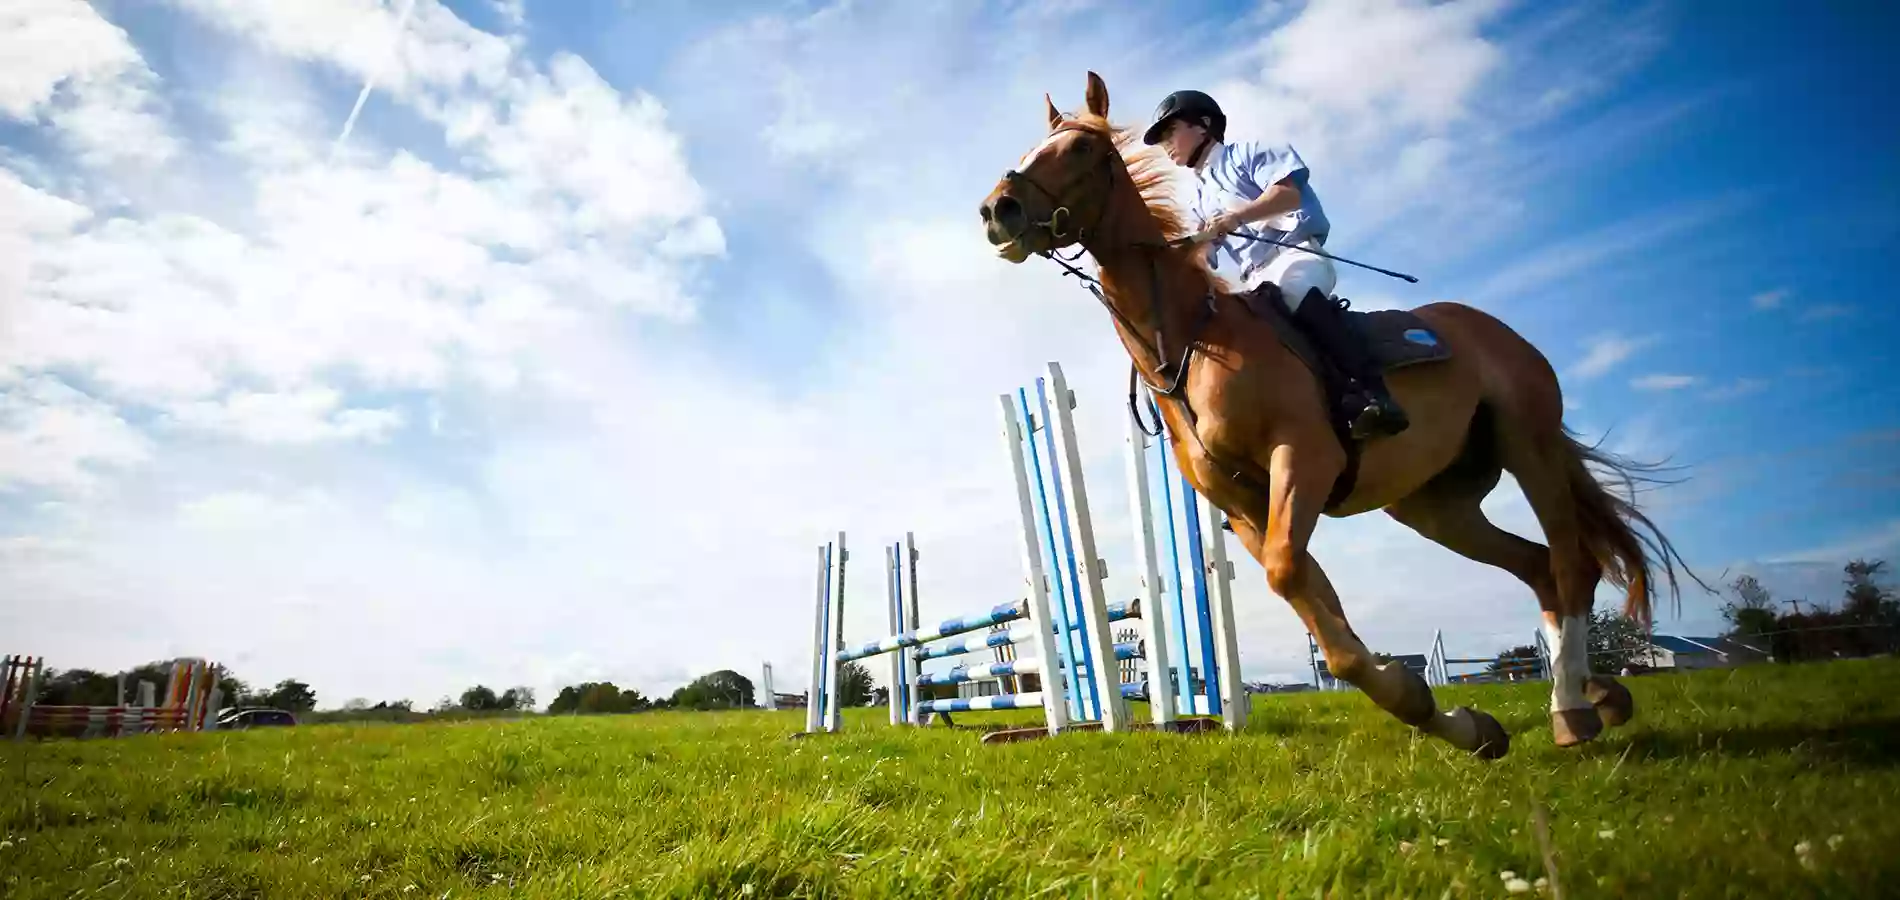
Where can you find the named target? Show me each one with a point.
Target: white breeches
(1295, 272)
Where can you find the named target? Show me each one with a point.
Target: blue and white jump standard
(1064, 618)
(1192, 595)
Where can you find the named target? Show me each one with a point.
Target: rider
(1248, 182)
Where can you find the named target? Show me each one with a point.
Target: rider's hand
(1218, 227)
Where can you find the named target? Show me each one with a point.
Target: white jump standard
(1061, 626)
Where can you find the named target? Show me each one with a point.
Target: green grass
(1707, 794)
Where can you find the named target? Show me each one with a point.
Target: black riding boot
(1372, 412)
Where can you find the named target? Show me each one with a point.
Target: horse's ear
(1098, 95)
(1055, 115)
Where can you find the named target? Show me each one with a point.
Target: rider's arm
(1282, 198)
(1276, 167)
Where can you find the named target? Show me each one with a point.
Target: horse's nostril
(1009, 214)
(983, 211)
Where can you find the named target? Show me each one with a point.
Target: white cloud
(1740, 387)
(68, 65)
(304, 416)
(513, 13)
(1826, 312)
(437, 54)
(1881, 541)
(52, 436)
(1664, 382)
(1606, 352)
(1596, 251)
(1769, 299)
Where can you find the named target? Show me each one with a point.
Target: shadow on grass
(1871, 743)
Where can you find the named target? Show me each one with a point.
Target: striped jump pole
(1058, 632)
(1192, 647)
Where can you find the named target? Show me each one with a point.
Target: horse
(1251, 426)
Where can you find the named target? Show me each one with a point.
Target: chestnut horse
(1251, 430)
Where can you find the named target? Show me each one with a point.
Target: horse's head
(1058, 193)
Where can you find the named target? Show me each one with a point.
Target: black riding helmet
(1187, 104)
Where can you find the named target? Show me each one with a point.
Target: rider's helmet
(1191, 105)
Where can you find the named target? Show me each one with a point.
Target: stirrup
(1379, 418)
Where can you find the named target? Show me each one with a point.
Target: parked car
(254, 717)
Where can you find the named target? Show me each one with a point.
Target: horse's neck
(1131, 271)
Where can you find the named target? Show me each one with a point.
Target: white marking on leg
(1569, 641)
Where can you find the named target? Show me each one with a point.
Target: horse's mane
(1153, 173)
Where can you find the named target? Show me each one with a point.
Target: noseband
(1056, 226)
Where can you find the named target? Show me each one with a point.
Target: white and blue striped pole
(1044, 525)
(1154, 630)
(834, 635)
(820, 652)
(911, 608)
(1112, 708)
(1016, 437)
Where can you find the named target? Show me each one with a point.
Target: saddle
(1392, 338)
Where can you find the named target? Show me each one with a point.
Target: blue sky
(605, 313)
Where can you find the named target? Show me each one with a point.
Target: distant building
(1669, 651)
(1263, 687)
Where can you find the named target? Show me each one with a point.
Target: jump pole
(1205, 579)
(1064, 594)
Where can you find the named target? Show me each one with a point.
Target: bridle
(1174, 371)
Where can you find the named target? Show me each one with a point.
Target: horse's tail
(1624, 542)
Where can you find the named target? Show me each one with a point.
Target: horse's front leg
(1296, 493)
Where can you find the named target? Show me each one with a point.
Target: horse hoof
(1575, 726)
(1474, 732)
(1611, 699)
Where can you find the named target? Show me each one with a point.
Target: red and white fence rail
(192, 698)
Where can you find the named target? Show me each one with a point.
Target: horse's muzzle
(1004, 219)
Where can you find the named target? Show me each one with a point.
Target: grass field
(1762, 782)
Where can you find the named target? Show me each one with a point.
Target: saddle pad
(1398, 338)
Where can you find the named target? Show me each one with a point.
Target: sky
(557, 359)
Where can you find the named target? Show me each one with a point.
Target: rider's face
(1181, 138)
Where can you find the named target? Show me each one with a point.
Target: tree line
(1866, 620)
(89, 687)
(723, 689)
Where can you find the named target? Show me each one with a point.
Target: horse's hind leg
(1449, 511)
(1580, 704)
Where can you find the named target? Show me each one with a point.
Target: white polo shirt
(1239, 173)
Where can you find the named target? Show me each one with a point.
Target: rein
(1056, 227)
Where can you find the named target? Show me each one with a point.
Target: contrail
(369, 84)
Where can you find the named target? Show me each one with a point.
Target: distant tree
(76, 687)
(854, 684)
(1753, 609)
(1616, 640)
(1866, 601)
(400, 705)
(597, 697)
(480, 697)
(724, 689)
(292, 695)
(356, 704)
(518, 697)
(1515, 664)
